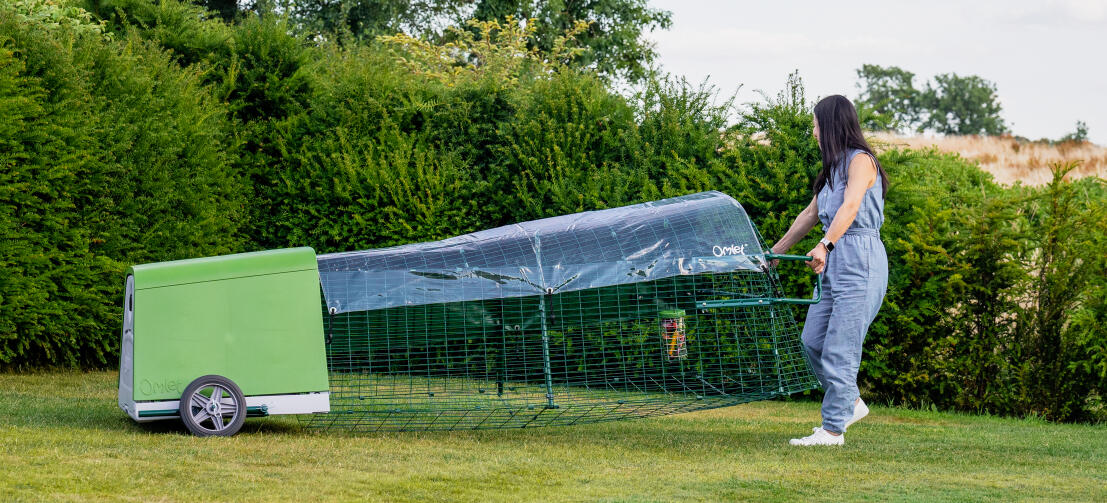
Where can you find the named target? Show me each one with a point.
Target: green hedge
(112, 155)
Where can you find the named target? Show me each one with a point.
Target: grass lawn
(64, 439)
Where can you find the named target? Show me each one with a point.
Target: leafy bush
(515, 137)
(992, 294)
(113, 155)
(947, 231)
(54, 15)
(771, 168)
(1060, 331)
(568, 148)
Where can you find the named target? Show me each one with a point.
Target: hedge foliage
(112, 155)
(155, 131)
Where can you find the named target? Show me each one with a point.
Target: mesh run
(617, 352)
(581, 318)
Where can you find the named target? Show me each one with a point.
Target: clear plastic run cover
(694, 234)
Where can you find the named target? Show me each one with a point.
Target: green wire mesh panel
(565, 355)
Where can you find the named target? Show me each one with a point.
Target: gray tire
(213, 406)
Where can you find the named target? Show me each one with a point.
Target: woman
(849, 201)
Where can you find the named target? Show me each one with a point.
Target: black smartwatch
(826, 242)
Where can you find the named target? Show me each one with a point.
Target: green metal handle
(818, 280)
(765, 301)
(774, 256)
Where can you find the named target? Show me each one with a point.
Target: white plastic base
(301, 403)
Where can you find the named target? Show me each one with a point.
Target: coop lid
(199, 270)
(708, 232)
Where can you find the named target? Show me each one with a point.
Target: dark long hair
(839, 132)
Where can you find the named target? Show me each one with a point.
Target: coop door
(126, 353)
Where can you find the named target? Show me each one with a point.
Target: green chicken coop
(656, 308)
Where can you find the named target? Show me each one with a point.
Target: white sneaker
(819, 437)
(860, 410)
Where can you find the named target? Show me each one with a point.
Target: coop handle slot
(764, 301)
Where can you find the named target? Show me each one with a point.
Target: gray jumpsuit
(854, 283)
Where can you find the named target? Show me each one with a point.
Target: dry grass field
(1007, 158)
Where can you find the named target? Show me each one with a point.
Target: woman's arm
(800, 227)
(862, 176)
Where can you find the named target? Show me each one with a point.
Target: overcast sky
(1047, 58)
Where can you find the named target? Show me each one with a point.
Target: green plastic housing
(253, 318)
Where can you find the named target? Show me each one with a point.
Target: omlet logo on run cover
(719, 251)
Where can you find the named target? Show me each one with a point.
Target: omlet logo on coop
(720, 251)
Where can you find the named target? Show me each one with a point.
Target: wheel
(213, 406)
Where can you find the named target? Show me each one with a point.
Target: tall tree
(951, 104)
(615, 38)
(962, 105)
(226, 9)
(363, 20)
(1080, 135)
(889, 94)
(615, 42)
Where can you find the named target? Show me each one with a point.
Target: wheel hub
(215, 406)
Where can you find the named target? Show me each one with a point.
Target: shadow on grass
(652, 433)
(84, 402)
(252, 426)
(657, 434)
(42, 412)
(87, 401)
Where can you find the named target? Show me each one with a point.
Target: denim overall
(854, 282)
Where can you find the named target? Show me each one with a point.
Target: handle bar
(765, 301)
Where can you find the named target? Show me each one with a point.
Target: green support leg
(546, 353)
